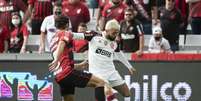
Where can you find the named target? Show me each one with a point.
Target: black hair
(130, 9)
(61, 22)
(83, 25)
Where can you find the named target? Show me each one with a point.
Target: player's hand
(53, 66)
(132, 71)
(41, 50)
(139, 53)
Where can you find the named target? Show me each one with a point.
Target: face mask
(15, 21)
(157, 38)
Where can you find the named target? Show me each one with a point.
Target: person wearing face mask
(9, 6)
(157, 43)
(101, 53)
(19, 35)
(48, 28)
(112, 10)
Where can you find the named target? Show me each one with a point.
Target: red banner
(166, 57)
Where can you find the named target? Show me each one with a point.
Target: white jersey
(48, 26)
(101, 54)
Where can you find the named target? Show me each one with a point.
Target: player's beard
(110, 38)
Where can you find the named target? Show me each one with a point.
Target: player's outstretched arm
(88, 35)
(120, 56)
(60, 48)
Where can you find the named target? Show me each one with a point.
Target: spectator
(79, 45)
(147, 12)
(157, 43)
(112, 10)
(48, 28)
(101, 4)
(132, 33)
(92, 3)
(77, 12)
(171, 22)
(37, 11)
(19, 35)
(7, 7)
(195, 15)
(183, 7)
(160, 3)
(4, 34)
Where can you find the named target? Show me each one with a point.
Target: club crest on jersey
(112, 45)
(99, 41)
(108, 11)
(66, 10)
(78, 11)
(131, 28)
(120, 11)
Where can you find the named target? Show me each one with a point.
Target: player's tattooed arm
(88, 35)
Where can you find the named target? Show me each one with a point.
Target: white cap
(157, 30)
(112, 24)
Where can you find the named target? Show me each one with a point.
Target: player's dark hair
(130, 9)
(61, 22)
(83, 24)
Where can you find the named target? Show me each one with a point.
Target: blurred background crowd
(163, 20)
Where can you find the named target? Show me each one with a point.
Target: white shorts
(112, 78)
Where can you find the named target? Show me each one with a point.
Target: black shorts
(75, 79)
(35, 26)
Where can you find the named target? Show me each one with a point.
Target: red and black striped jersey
(66, 62)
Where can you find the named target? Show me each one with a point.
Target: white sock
(127, 98)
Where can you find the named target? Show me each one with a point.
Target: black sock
(99, 94)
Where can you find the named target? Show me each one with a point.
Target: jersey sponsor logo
(103, 52)
(52, 30)
(112, 45)
(7, 8)
(79, 11)
(66, 10)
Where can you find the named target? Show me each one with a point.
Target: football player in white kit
(101, 53)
